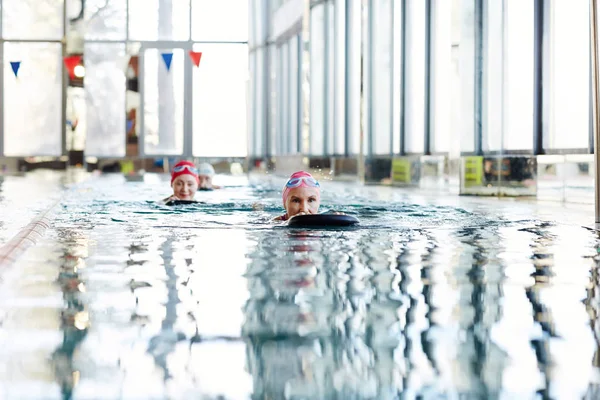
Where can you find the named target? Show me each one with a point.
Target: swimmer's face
(205, 181)
(184, 187)
(302, 200)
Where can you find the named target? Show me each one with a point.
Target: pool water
(428, 298)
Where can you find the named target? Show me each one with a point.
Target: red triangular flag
(196, 56)
(71, 62)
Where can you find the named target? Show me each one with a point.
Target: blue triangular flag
(167, 57)
(15, 65)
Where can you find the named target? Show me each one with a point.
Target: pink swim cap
(299, 179)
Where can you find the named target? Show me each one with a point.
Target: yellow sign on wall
(401, 170)
(473, 171)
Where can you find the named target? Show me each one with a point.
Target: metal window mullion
(280, 103)
(370, 53)
(255, 103)
(325, 68)
(392, 66)
(299, 96)
(591, 147)
(336, 67)
(266, 82)
(126, 24)
(65, 84)
(349, 68)
(2, 96)
(141, 91)
(403, 92)
(541, 68)
(429, 48)
(595, 105)
(289, 128)
(188, 95)
(503, 78)
(479, 67)
(190, 20)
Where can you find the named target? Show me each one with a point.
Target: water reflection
(75, 320)
(423, 312)
(443, 304)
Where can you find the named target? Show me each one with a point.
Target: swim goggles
(296, 182)
(180, 168)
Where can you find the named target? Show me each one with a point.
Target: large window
(294, 93)
(355, 85)
(518, 76)
(339, 77)
(415, 77)
(221, 20)
(31, 87)
(330, 80)
(468, 77)
(569, 115)
(381, 75)
(441, 127)
(32, 102)
(317, 80)
(219, 101)
(493, 78)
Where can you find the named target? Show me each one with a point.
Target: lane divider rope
(29, 235)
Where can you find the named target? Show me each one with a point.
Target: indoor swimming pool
(430, 297)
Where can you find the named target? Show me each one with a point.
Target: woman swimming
(184, 181)
(301, 195)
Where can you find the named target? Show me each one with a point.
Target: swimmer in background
(205, 175)
(301, 195)
(184, 181)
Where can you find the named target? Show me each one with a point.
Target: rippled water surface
(129, 299)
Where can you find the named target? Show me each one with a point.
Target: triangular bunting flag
(71, 62)
(167, 57)
(15, 65)
(196, 56)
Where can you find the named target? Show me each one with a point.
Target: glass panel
(262, 27)
(518, 76)
(219, 104)
(253, 23)
(273, 108)
(285, 97)
(105, 99)
(340, 77)
(261, 104)
(33, 101)
(441, 80)
(317, 79)
(251, 107)
(105, 20)
(355, 92)
(570, 78)
(467, 76)
(330, 78)
(163, 102)
(294, 101)
(382, 76)
(455, 78)
(280, 135)
(221, 20)
(159, 19)
(76, 119)
(397, 78)
(415, 76)
(492, 124)
(32, 19)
